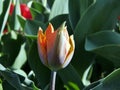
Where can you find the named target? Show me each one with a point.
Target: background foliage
(95, 25)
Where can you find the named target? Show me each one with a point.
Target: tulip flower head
(11, 8)
(25, 11)
(55, 48)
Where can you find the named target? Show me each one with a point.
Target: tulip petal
(60, 49)
(70, 53)
(50, 37)
(63, 46)
(42, 47)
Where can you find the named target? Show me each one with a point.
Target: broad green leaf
(7, 86)
(50, 3)
(74, 12)
(92, 85)
(101, 15)
(111, 82)
(4, 15)
(67, 75)
(99, 18)
(21, 58)
(4, 60)
(31, 27)
(42, 73)
(106, 44)
(1, 4)
(38, 7)
(11, 46)
(59, 7)
(22, 21)
(77, 9)
(28, 84)
(37, 15)
(84, 4)
(15, 81)
(99, 68)
(11, 77)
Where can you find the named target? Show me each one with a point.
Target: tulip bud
(25, 11)
(55, 48)
(11, 8)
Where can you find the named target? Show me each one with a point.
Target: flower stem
(53, 79)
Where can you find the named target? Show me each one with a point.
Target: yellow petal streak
(42, 46)
(71, 51)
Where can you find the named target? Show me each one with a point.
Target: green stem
(53, 79)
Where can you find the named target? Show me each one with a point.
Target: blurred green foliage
(96, 29)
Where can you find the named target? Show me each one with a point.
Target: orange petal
(41, 41)
(50, 38)
(60, 49)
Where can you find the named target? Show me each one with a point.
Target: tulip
(11, 9)
(25, 11)
(55, 48)
(5, 31)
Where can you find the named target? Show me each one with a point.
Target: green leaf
(4, 60)
(77, 9)
(101, 15)
(73, 86)
(11, 46)
(98, 18)
(84, 4)
(92, 85)
(7, 86)
(16, 81)
(4, 15)
(21, 58)
(59, 7)
(31, 27)
(99, 68)
(1, 88)
(22, 21)
(111, 82)
(38, 7)
(37, 15)
(67, 75)
(74, 12)
(106, 44)
(50, 3)
(42, 73)
(1, 9)
(11, 77)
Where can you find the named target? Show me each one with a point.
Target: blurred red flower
(11, 8)
(118, 17)
(25, 11)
